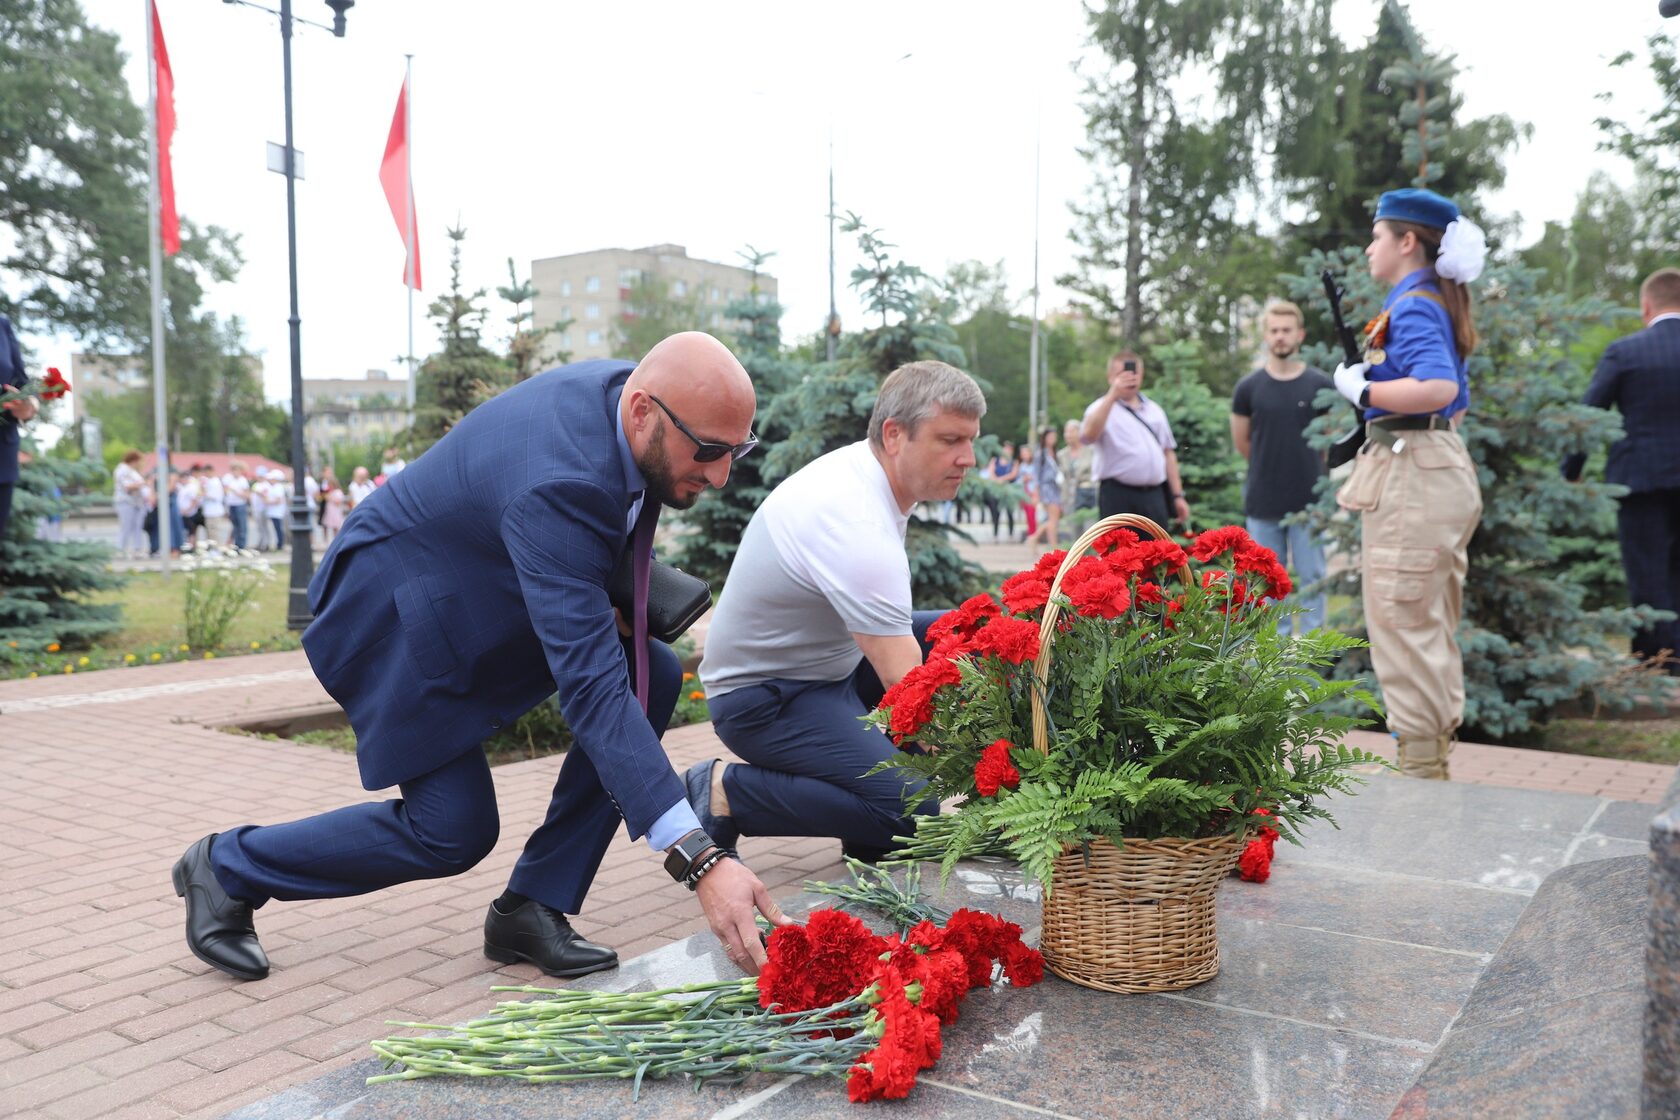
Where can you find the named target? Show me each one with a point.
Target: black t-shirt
(1281, 467)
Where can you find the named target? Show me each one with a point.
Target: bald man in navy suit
(1640, 375)
(459, 595)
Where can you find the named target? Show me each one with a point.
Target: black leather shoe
(220, 931)
(722, 830)
(542, 935)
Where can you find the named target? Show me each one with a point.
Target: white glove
(1351, 380)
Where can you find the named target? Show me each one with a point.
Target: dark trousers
(280, 540)
(240, 516)
(1148, 501)
(807, 753)
(997, 509)
(442, 825)
(5, 505)
(1648, 527)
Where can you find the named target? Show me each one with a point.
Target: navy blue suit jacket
(12, 376)
(472, 584)
(1640, 375)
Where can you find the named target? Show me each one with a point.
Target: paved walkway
(109, 775)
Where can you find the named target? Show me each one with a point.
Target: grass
(152, 612)
(1631, 740)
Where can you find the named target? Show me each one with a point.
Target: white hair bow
(1463, 251)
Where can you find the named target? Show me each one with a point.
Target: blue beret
(1414, 204)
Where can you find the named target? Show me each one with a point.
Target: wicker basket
(1138, 918)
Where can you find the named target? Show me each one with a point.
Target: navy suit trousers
(1648, 527)
(443, 824)
(807, 753)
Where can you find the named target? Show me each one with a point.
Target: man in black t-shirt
(1270, 411)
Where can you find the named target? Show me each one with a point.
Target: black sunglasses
(705, 450)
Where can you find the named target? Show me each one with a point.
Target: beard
(661, 479)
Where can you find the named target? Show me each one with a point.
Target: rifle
(1345, 448)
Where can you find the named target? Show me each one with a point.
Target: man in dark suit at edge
(458, 596)
(1640, 375)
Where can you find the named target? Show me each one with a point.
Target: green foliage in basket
(1174, 706)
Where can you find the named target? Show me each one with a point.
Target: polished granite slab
(1341, 977)
(1662, 965)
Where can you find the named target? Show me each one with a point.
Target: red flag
(399, 192)
(168, 219)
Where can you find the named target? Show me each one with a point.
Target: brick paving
(108, 776)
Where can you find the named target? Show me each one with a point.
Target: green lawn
(152, 612)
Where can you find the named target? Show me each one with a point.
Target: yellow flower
(697, 695)
(256, 645)
(209, 655)
(82, 661)
(128, 659)
(157, 657)
(69, 668)
(52, 647)
(32, 676)
(687, 677)
(185, 647)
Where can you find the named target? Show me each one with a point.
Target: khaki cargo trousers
(1419, 502)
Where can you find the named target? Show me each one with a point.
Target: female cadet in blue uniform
(1414, 484)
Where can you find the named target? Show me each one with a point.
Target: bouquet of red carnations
(835, 999)
(48, 388)
(1174, 706)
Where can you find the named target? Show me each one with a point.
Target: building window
(717, 296)
(591, 311)
(565, 287)
(565, 338)
(679, 288)
(627, 277)
(592, 284)
(594, 338)
(717, 317)
(565, 311)
(764, 299)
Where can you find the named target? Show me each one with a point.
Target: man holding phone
(1135, 464)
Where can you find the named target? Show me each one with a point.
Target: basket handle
(1053, 610)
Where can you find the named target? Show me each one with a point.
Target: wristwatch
(1365, 396)
(691, 857)
(1178, 496)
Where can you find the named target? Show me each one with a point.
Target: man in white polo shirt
(815, 623)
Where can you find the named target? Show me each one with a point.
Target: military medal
(1376, 333)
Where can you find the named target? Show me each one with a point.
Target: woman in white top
(128, 495)
(360, 486)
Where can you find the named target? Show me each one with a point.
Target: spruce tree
(465, 373)
(1532, 643)
(719, 519)
(44, 585)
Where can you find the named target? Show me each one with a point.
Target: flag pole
(160, 411)
(409, 246)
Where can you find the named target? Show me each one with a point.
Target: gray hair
(918, 391)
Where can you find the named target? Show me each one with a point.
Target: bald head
(700, 383)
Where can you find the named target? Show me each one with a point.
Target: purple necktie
(641, 542)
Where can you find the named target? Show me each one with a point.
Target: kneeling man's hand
(728, 894)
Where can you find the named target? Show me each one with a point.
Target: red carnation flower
(1115, 539)
(909, 1044)
(1022, 964)
(1096, 589)
(55, 385)
(820, 963)
(994, 770)
(1217, 542)
(1255, 864)
(964, 619)
(1014, 640)
(911, 700)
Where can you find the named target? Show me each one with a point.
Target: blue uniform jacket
(1420, 342)
(12, 376)
(1640, 375)
(473, 583)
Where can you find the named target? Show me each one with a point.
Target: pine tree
(44, 585)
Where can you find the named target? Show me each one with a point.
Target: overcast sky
(550, 128)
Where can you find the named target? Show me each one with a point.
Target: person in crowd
(1640, 376)
(279, 501)
(1003, 470)
(172, 512)
(1026, 478)
(335, 505)
(1048, 481)
(128, 496)
(816, 622)
(236, 486)
(1414, 485)
(360, 487)
(260, 489)
(393, 463)
(1134, 455)
(214, 505)
(13, 415)
(465, 592)
(312, 494)
(148, 494)
(1270, 410)
(189, 501)
(1075, 457)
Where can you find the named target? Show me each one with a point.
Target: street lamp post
(298, 614)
